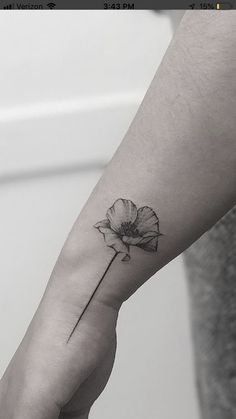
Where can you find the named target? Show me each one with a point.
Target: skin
(88, 392)
(179, 158)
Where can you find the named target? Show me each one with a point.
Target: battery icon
(223, 6)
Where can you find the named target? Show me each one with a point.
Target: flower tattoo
(126, 226)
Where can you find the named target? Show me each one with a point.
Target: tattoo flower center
(128, 229)
(127, 226)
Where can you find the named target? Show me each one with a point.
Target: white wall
(70, 84)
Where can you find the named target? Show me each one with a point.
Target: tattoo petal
(146, 220)
(151, 234)
(126, 258)
(103, 223)
(149, 244)
(122, 211)
(112, 240)
(131, 240)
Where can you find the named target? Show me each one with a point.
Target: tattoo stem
(111, 261)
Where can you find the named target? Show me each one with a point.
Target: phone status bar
(119, 5)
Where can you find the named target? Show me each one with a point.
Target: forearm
(178, 157)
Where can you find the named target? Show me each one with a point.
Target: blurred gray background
(71, 83)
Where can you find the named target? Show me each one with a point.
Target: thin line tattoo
(126, 226)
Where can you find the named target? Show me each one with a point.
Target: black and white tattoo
(126, 226)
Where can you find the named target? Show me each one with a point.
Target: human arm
(178, 158)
